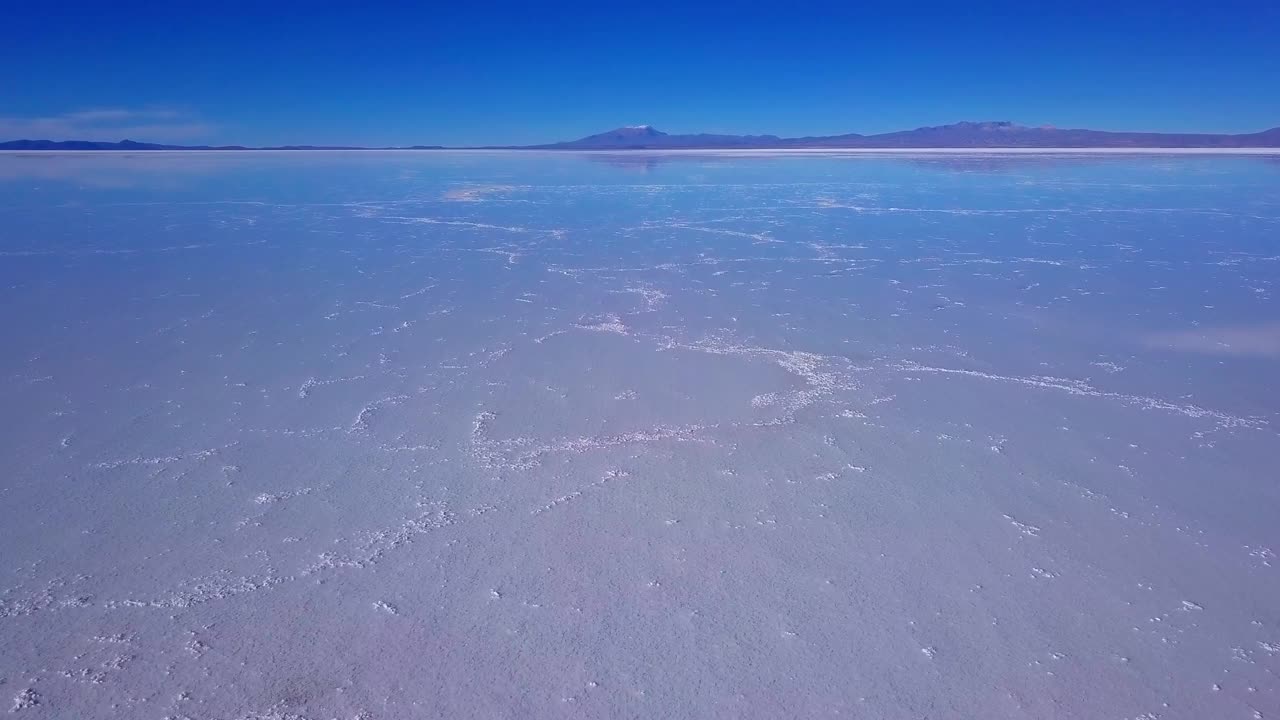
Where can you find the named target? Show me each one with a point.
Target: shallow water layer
(440, 434)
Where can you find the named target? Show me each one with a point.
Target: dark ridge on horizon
(979, 135)
(134, 145)
(963, 135)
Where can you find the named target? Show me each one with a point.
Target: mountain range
(976, 135)
(958, 135)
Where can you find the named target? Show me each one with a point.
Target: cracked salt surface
(516, 435)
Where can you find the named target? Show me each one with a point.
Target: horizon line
(1098, 150)
(991, 126)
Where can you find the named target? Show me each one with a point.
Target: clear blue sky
(477, 72)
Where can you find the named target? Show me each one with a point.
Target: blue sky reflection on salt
(528, 435)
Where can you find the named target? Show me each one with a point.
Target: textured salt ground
(527, 436)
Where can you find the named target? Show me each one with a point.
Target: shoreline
(693, 151)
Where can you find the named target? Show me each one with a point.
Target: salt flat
(402, 435)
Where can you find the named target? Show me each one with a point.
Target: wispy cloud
(108, 124)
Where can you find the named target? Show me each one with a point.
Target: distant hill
(132, 145)
(647, 137)
(91, 145)
(958, 135)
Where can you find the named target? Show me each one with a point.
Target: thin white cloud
(108, 124)
(116, 115)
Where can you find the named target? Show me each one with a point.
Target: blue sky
(470, 73)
